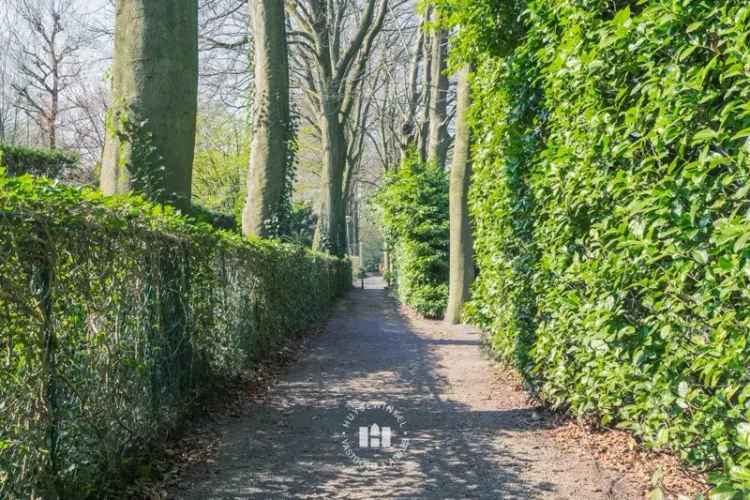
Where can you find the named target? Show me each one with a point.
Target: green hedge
(54, 164)
(612, 214)
(218, 220)
(115, 315)
(414, 204)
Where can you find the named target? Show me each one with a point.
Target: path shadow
(289, 444)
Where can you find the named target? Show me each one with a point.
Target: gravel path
(470, 434)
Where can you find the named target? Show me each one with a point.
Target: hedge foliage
(414, 204)
(115, 315)
(17, 160)
(612, 213)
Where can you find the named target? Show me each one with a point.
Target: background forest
(66, 109)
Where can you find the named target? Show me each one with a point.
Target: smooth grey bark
(437, 143)
(461, 238)
(330, 232)
(387, 263)
(411, 130)
(424, 130)
(151, 124)
(270, 143)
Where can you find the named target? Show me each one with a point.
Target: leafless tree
(8, 110)
(336, 39)
(85, 125)
(46, 45)
(225, 49)
(437, 140)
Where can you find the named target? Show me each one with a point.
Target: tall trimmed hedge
(414, 205)
(115, 315)
(612, 213)
(17, 160)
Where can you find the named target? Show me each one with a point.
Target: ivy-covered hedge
(216, 219)
(115, 315)
(414, 204)
(612, 213)
(17, 160)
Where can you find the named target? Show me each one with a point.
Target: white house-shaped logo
(374, 437)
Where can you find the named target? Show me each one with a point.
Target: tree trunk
(386, 262)
(424, 129)
(438, 135)
(330, 233)
(461, 240)
(269, 150)
(55, 92)
(151, 125)
(54, 108)
(411, 130)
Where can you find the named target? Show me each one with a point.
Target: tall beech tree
(461, 241)
(337, 68)
(270, 146)
(151, 125)
(437, 139)
(426, 94)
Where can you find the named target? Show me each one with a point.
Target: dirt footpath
(447, 425)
